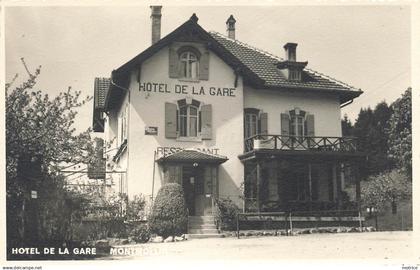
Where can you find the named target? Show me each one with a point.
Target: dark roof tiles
(101, 90)
(193, 155)
(263, 64)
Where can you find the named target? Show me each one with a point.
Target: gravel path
(400, 246)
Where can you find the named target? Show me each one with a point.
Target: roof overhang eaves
(344, 94)
(213, 44)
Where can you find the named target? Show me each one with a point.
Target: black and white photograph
(208, 131)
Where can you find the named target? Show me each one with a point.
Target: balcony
(294, 143)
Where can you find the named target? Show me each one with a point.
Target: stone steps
(202, 231)
(203, 219)
(202, 227)
(202, 235)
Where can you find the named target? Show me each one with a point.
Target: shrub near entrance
(169, 215)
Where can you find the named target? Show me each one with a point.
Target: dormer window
(290, 68)
(294, 74)
(189, 65)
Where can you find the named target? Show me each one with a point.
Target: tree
(370, 129)
(347, 126)
(399, 132)
(386, 187)
(39, 137)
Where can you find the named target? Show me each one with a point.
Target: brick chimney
(290, 68)
(290, 49)
(156, 16)
(230, 27)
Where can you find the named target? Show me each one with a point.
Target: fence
(290, 219)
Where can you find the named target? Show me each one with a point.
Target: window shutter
(310, 124)
(285, 122)
(173, 63)
(263, 123)
(204, 66)
(206, 119)
(170, 120)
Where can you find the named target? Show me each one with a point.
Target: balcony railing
(281, 142)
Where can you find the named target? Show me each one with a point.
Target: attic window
(189, 65)
(294, 74)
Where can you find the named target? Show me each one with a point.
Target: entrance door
(197, 194)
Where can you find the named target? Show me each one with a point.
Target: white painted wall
(325, 107)
(148, 109)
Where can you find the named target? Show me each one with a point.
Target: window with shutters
(255, 122)
(298, 124)
(189, 62)
(188, 118)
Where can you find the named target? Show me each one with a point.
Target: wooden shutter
(263, 123)
(285, 122)
(170, 120)
(310, 129)
(204, 66)
(310, 124)
(206, 119)
(173, 63)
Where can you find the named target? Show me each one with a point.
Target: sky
(368, 47)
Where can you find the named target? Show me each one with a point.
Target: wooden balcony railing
(281, 142)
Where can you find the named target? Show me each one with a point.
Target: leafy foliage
(40, 128)
(37, 125)
(226, 213)
(141, 233)
(399, 132)
(135, 208)
(369, 128)
(169, 216)
(386, 187)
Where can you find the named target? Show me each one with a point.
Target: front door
(198, 195)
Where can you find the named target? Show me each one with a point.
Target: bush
(226, 213)
(169, 215)
(141, 233)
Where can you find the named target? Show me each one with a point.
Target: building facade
(226, 120)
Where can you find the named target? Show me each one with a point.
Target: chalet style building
(227, 120)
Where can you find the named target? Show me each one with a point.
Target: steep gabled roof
(264, 65)
(258, 68)
(101, 89)
(188, 31)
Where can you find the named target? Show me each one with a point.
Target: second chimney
(290, 49)
(230, 27)
(156, 18)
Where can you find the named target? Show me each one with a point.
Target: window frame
(295, 125)
(183, 104)
(183, 70)
(251, 112)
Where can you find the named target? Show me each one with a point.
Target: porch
(301, 174)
